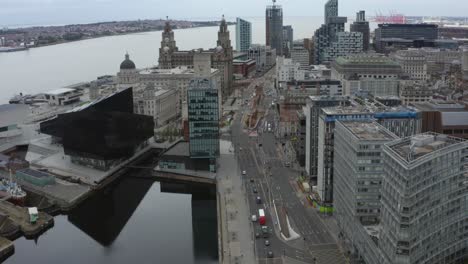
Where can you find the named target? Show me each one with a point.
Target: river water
(41, 69)
(135, 220)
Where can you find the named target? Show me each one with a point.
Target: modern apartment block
(358, 170)
(312, 112)
(424, 215)
(203, 119)
(375, 74)
(346, 43)
(362, 26)
(326, 35)
(243, 35)
(274, 28)
(401, 121)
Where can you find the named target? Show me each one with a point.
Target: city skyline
(54, 12)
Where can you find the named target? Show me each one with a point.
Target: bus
(261, 215)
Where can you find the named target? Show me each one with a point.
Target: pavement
(237, 234)
(267, 176)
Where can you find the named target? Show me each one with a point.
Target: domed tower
(128, 73)
(168, 46)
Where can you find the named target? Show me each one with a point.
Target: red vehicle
(262, 218)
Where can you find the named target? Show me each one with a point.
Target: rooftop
(356, 60)
(368, 130)
(413, 148)
(180, 149)
(60, 91)
(177, 70)
(443, 106)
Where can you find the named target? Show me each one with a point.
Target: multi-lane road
(261, 158)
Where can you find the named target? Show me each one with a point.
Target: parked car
(244, 172)
(254, 190)
(254, 218)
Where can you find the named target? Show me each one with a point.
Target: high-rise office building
(288, 37)
(274, 27)
(424, 215)
(465, 62)
(312, 112)
(243, 35)
(299, 54)
(203, 118)
(395, 36)
(358, 172)
(362, 26)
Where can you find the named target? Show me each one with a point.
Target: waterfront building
(264, 56)
(288, 37)
(401, 121)
(128, 74)
(203, 119)
(243, 34)
(63, 96)
(171, 57)
(176, 78)
(424, 200)
(449, 118)
(362, 26)
(103, 133)
(162, 104)
(274, 28)
(399, 36)
(312, 112)
(358, 172)
(299, 54)
(374, 74)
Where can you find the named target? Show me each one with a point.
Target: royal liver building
(221, 56)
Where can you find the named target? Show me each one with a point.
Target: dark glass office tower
(203, 118)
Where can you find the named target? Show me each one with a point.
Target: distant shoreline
(178, 24)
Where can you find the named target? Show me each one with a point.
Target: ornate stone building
(221, 56)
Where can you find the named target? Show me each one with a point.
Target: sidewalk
(237, 233)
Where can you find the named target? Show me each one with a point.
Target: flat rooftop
(443, 106)
(412, 148)
(368, 130)
(180, 149)
(60, 91)
(176, 70)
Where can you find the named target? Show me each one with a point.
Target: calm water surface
(134, 221)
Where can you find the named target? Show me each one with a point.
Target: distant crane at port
(392, 18)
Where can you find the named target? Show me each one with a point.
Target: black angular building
(101, 133)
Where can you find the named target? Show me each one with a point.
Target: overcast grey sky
(26, 12)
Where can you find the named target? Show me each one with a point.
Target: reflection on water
(134, 220)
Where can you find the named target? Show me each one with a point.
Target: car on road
(270, 254)
(258, 200)
(288, 164)
(254, 190)
(265, 231)
(267, 243)
(254, 218)
(252, 180)
(257, 235)
(244, 172)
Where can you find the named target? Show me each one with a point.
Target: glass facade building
(203, 117)
(243, 35)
